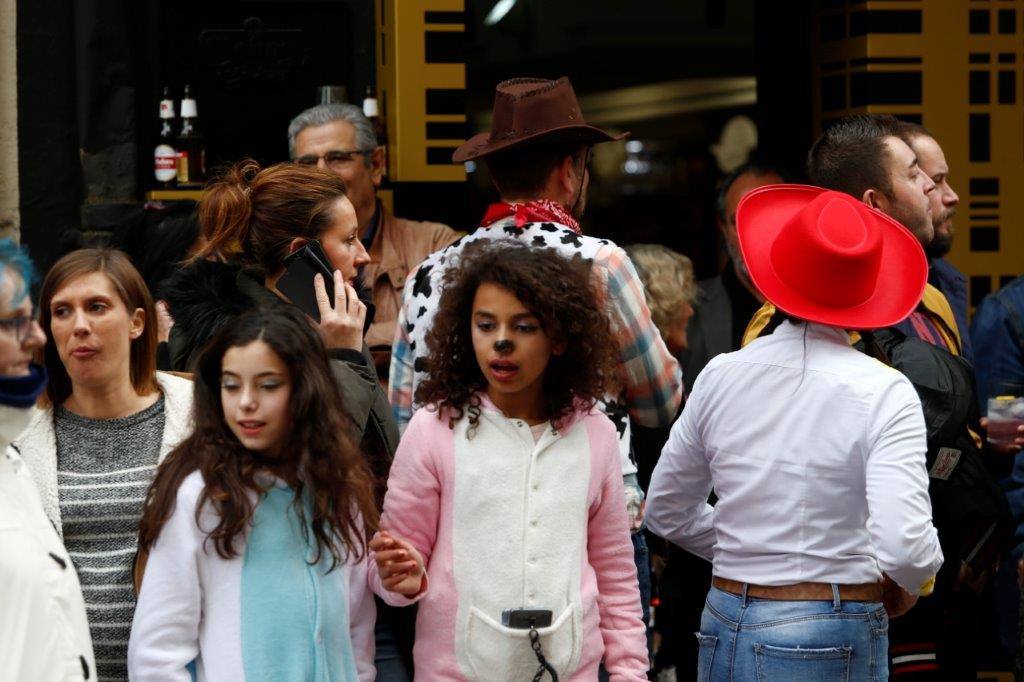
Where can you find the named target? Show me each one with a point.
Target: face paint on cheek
(504, 346)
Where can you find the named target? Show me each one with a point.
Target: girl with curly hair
(506, 490)
(256, 526)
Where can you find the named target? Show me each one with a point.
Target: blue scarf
(23, 391)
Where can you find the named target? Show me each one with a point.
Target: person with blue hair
(44, 634)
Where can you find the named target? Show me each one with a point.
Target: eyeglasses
(333, 159)
(20, 327)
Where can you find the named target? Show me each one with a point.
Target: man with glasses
(339, 138)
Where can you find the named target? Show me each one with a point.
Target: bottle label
(167, 108)
(182, 166)
(165, 163)
(188, 108)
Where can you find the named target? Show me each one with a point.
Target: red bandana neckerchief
(536, 211)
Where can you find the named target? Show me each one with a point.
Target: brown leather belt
(802, 591)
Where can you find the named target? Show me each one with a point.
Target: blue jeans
(743, 638)
(390, 667)
(642, 559)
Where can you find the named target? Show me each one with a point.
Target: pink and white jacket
(504, 522)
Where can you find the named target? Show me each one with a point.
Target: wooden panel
(421, 60)
(964, 54)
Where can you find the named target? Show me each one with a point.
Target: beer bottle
(165, 156)
(191, 154)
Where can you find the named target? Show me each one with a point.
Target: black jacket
(206, 295)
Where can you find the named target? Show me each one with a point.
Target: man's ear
(566, 176)
(871, 198)
(378, 163)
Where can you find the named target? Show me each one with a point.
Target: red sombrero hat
(826, 257)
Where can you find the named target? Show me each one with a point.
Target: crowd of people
(518, 453)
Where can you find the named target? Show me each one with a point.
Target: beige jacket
(398, 247)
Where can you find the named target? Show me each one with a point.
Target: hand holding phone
(312, 285)
(300, 268)
(341, 324)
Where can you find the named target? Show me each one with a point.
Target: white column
(10, 221)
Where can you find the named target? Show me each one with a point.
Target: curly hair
(319, 457)
(558, 291)
(668, 282)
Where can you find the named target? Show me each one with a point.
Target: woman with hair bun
(252, 218)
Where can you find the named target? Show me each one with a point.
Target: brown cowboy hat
(528, 109)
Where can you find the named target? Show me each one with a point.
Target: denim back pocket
(807, 665)
(705, 655)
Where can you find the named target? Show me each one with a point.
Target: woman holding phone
(252, 220)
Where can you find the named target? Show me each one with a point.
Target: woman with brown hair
(252, 218)
(256, 525)
(105, 421)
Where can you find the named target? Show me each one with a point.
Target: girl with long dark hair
(256, 526)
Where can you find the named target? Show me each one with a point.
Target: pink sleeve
(412, 505)
(610, 553)
(363, 616)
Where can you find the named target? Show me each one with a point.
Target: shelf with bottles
(175, 194)
(179, 158)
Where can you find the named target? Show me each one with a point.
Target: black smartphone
(524, 619)
(296, 283)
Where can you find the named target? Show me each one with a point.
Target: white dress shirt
(817, 455)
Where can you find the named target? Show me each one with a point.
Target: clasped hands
(399, 563)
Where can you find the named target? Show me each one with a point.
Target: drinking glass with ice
(1005, 416)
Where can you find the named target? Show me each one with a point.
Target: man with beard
(942, 274)
(726, 303)
(866, 157)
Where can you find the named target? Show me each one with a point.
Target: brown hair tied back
(559, 291)
(257, 212)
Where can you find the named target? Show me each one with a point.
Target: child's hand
(400, 565)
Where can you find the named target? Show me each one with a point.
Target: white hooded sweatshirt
(44, 634)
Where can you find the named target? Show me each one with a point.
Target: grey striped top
(103, 469)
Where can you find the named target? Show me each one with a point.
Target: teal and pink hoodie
(270, 613)
(506, 522)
